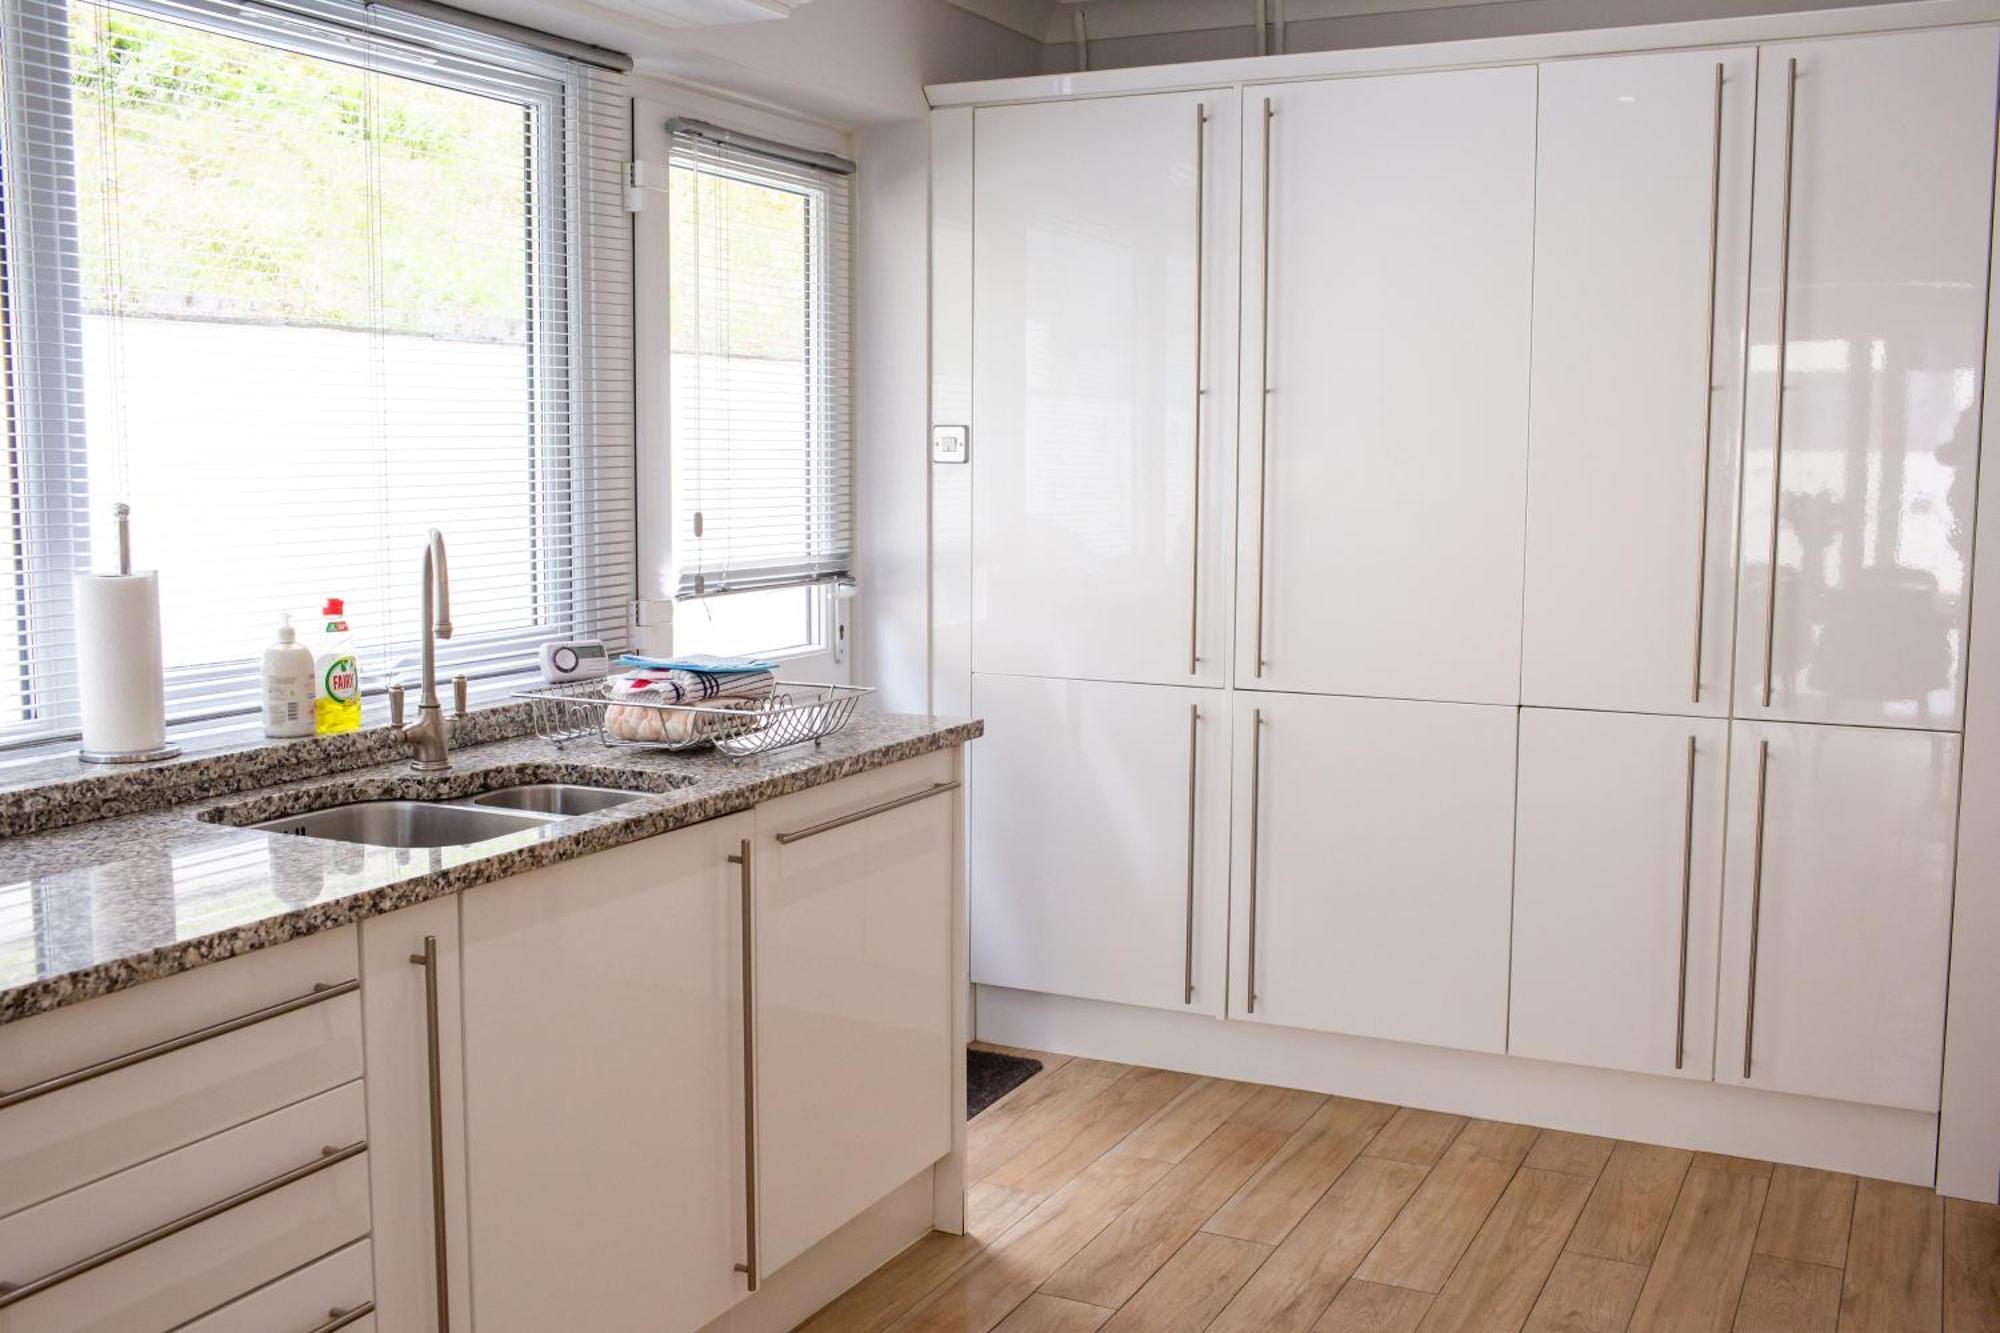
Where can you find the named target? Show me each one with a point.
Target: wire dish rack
(793, 714)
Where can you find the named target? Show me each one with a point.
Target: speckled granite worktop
(93, 900)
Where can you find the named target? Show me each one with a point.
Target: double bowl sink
(494, 814)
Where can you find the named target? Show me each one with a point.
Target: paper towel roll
(123, 698)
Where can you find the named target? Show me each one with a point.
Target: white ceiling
(1050, 20)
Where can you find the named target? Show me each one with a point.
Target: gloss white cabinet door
(604, 1087)
(1642, 235)
(1372, 862)
(1387, 270)
(854, 888)
(1104, 294)
(410, 990)
(1618, 890)
(1867, 325)
(1837, 912)
(1100, 841)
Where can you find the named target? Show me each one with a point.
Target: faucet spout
(430, 735)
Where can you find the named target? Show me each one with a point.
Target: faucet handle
(459, 686)
(396, 705)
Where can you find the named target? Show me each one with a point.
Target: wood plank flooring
(1137, 1200)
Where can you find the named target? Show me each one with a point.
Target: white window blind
(299, 282)
(758, 278)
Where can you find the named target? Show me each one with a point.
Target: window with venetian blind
(299, 281)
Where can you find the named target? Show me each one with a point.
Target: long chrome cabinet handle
(317, 995)
(1256, 794)
(1708, 394)
(814, 830)
(434, 1049)
(1756, 903)
(14, 1294)
(1187, 952)
(1200, 392)
(1687, 898)
(1264, 393)
(338, 1319)
(749, 1265)
(1784, 319)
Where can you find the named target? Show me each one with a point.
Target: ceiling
(1051, 20)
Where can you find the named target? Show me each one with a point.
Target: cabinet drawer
(305, 1301)
(87, 1130)
(239, 1238)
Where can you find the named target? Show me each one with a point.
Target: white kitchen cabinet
(1387, 264)
(604, 1087)
(1618, 890)
(1100, 841)
(1373, 849)
(410, 998)
(853, 959)
(1837, 911)
(1868, 312)
(1104, 279)
(1642, 234)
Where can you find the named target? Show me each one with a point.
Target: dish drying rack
(793, 714)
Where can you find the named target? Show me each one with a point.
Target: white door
(1100, 841)
(1104, 300)
(854, 889)
(604, 1087)
(1837, 912)
(1869, 294)
(1372, 864)
(1642, 237)
(1618, 890)
(407, 957)
(1385, 413)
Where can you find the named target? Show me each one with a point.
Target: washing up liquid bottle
(337, 692)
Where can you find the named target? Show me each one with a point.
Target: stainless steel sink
(402, 824)
(557, 798)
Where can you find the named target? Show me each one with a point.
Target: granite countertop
(112, 879)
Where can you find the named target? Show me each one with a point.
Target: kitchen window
(299, 281)
(759, 433)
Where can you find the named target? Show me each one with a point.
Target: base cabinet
(1100, 840)
(1837, 912)
(1617, 890)
(407, 958)
(853, 962)
(604, 1087)
(1373, 846)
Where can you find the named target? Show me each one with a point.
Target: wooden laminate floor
(1127, 1199)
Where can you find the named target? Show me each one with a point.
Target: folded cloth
(730, 691)
(679, 686)
(660, 726)
(707, 663)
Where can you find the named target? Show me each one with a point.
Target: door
(604, 1087)
(1374, 847)
(1618, 890)
(1104, 291)
(410, 963)
(854, 888)
(1388, 252)
(1868, 310)
(1100, 841)
(1837, 912)
(1642, 235)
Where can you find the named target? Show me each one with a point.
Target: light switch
(950, 444)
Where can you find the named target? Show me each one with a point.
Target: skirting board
(789, 1296)
(1804, 1131)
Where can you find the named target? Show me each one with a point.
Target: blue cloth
(706, 663)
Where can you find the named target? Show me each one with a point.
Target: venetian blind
(300, 281)
(758, 279)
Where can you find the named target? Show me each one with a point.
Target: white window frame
(827, 657)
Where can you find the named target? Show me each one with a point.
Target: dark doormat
(989, 1076)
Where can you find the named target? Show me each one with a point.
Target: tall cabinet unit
(1387, 258)
(1104, 465)
(1867, 334)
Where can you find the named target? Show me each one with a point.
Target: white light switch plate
(950, 444)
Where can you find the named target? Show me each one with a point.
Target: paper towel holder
(122, 513)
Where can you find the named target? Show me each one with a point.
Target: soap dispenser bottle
(288, 685)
